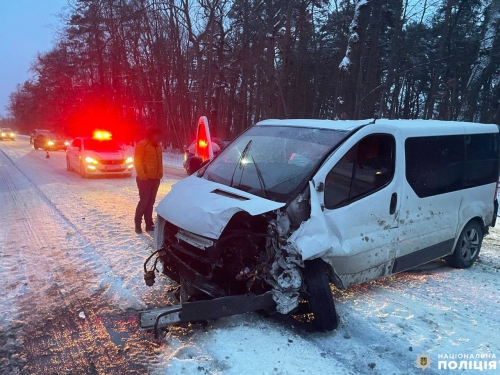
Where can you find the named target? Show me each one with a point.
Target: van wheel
(467, 247)
(320, 296)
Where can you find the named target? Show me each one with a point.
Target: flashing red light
(203, 149)
(101, 135)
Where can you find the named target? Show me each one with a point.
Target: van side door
(432, 197)
(361, 198)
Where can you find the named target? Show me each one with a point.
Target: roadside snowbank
(173, 158)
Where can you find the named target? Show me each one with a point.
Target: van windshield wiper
(261, 178)
(239, 164)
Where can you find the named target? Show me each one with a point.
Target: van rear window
(442, 164)
(481, 159)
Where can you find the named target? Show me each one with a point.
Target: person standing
(148, 162)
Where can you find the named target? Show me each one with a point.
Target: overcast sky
(26, 27)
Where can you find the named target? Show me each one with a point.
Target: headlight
(66, 143)
(129, 160)
(89, 160)
(50, 143)
(3, 134)
(11, 134)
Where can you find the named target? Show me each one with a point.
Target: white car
(291, 205)
(98, 157)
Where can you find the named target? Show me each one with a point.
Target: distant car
(99, 156)
(7, 133)
(50, 142)
(37, 132)
(217, 144)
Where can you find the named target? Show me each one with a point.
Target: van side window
(365, 168)
(481, 159)
(434, 165)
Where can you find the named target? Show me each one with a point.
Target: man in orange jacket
(148, 162)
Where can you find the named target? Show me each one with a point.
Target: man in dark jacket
(148, 164)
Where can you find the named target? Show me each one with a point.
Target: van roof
(322, 124)
(438, 127)
(405, 125)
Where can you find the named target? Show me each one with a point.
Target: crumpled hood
(205, 207)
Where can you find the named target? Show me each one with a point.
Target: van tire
(319, 295)
(468, 246)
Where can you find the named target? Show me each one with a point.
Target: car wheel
(468, 246)
(83, 173)
(68, 165)
(320, 296)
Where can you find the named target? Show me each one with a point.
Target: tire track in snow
(54, 292)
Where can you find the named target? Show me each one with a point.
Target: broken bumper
(205, 310)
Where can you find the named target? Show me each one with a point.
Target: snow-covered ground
(71, 285)
(173, 158)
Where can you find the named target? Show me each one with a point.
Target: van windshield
(273, 162)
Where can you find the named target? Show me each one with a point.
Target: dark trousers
(147, 197)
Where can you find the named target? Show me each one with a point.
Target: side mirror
(194, 164)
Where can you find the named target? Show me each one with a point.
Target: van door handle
(394, 203)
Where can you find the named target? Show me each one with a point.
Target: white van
(291, 205)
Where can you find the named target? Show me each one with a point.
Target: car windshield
(7, 130)
(273, 162)
(101, 145)
(48, 135)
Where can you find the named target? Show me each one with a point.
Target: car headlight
(50, 143)
(11, 134)
(3, 134)
(129, 160)
(90, 160)
(66, 143)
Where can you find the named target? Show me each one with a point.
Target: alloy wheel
(470, 244)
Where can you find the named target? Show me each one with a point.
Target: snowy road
(67, 249)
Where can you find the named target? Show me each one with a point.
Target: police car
(99, 155)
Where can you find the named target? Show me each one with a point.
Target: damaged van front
(238, 225)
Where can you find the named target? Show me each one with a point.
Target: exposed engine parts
(241, 261)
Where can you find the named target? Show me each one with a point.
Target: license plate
(112, 167)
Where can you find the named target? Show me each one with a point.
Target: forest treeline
(166, 62)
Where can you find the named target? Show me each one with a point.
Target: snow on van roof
(437, 127)
(323, 124)
(410, 125)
